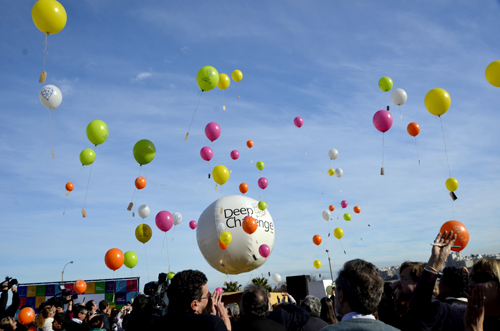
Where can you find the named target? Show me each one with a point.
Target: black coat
(254, 323)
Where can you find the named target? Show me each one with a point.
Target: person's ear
(341, 296)
(194, 305)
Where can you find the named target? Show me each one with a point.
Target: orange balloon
(460, 230)
(222, 246)
(114, 259)
(357, 210)
(317, 239)
(26, 316)
(249, 225)
(250, 144)
(332, 207)
(80, 286)
(243, 188)
(140, 182)
(69, 186)
(413, 129)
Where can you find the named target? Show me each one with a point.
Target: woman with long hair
(328, 311)
(45, 318)
(8, 324)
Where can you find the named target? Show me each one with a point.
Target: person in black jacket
(103, 311)
(11, 311)
(290, 316)
(313, 306)
(79, 315)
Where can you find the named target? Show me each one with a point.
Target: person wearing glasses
(79, 315)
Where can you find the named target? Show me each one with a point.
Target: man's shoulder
(360, 324)
(189, 322)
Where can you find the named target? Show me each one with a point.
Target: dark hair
(78, 309)
(62, 319)
(89, 305)
(140, 303)
(417, 268)
(96, 322)
(328, 311)
(112, 317)
(254, 301)
(103, 304)
(457, 279)
(361, 285)
(185, 287)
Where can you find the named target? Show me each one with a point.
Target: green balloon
(260, 165)
(170, 275)
(347, 216)
(329, 290)
(262, 205)
(131, 259)
(87, 156)
(144, 151)
(207, 78)
(385, 83)
(97, 132)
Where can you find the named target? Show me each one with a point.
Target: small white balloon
(326, 215)
(277, 278)
(338, 172)
(177, 218)
(50, 96)
(221, 226)
(333, 154)
(143, 211)
(399, 96)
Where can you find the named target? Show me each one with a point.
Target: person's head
(311, 304)
(91, 306)
(188, 292)
(46, 312)
(254, 301)
(140, 303)
(60, 321)
(103, 305)
(328, 311)
(409, 274)
(96, 322)
(359, 288)
(8, 324)
(233, 310)
(453, 283)
(485, 274)
(80, 312)
(112, 316)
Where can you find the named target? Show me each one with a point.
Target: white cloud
(142, 76)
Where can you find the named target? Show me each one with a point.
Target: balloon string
(445, 150)
(324, 188)
(147, 266)
(401, 112)
(45, 49)
(50, 129)
(149, 180)
(223, 101)
(453, 208)
(303, 143)
(88, 183)
(416, 147)
(383, 147)
(173, 235)
(187, 134)
(340, 185)
(342, 246)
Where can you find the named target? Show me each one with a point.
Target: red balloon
(80, 286)
(460, 230)
(140, 182)
(413, 129)
(243, 188)
(249, 225)
(221, 245)
(26, 316)
(249, 144)
(317, 239)
(357, 210)
(69, 186)
(114, 259)
(332, 207)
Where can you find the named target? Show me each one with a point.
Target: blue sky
(133, 65)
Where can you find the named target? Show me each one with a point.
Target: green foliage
(231, 287)
(262, 281)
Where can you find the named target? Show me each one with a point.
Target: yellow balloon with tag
(49, 16)
(437, 101)
(224, 81)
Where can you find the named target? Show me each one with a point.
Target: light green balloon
(347, 216)
(260, 165)
(144, 151)
(385, 84)
(170, 275)
(131, 259)
(262, 205)
(97, 132)
(329, 290)
(207, 78)
(87, 156)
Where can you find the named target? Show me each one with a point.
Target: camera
(10, 282)
(60, 299)
(157, 292)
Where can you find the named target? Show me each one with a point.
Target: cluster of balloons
(97, 133)
(115, 258)
(208, 78)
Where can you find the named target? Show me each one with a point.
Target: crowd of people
(424, 298)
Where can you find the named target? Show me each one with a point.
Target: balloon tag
(230, 171)
(382, 171)
(43, 76)
(208, 176)
(130, 205)
(133, 214)
(223, 107)
(53, 154)
(238, 96)
(306, 153)
(187, 134)
(67, 193)
(251, 161)
(221, 210)
(84, 213)
(216, 187)
(453, 196)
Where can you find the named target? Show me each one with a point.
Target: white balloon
(50, 96)
(338, 172)
(277, 278)
(242, 254)
(333, 154)
(177, 218)
(143, 211)
(221, 227)
(326, 215)
(399, 96)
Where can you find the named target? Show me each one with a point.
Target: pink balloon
(298, 121)
(212, 131)
(235, 155)
(264, 250)
(193, 225)
(206, 153)
(382, 120)
(164, 220)
(343, 204)
(218, 289)
(263, 183)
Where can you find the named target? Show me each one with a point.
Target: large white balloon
(50, 96)
(277, 278)
(326, 215)
(338, 172)
(143, 211)
(242, 254)
(333, 154)
(177, 218)
(399, 96)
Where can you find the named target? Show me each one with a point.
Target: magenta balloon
(298, 121)
(218, 289)
(263, 183)
(343, 204)
(212, 131)
(382, 120)
(164, 220)
(206, 153)
(264, 250)
(193, 224)
(235, 155)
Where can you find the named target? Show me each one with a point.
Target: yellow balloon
(224, 81)
(237, 75)
(317, 264)
(49, 16)
(452, 184)
(225, 238)
(220, 174)
(331, 172)
(493, 73)
(437, 101)
(338, 233)
(143, 233)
